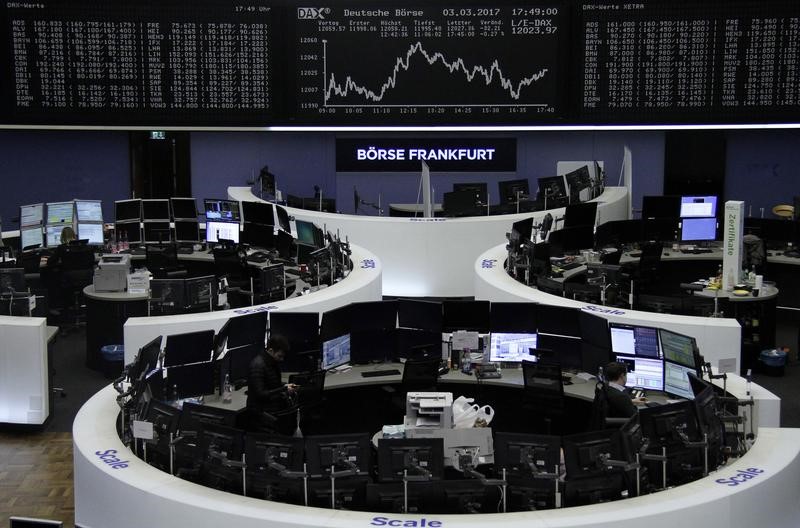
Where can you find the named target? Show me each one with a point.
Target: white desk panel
(139, 495)
(432, 257)
(24, 387)
(362, 284)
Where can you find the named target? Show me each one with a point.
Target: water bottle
(227, 390)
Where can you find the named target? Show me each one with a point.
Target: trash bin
(113, 357)
(772, 362)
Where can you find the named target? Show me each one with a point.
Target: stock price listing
(428, 65)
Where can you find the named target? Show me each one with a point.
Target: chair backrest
(75, 257)
(421, 372)
(158, 256)
(651, 255)
(228, 261)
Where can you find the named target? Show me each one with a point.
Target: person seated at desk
(620, 402)
(267, 395)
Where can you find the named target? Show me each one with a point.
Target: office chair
(419, 375)
(599, 417)
(646, 275)
(162, 261)
(229, 261)
(755, 254)
(75, 271)
(543, 395)
(308, 399)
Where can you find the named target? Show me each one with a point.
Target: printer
(111, 274)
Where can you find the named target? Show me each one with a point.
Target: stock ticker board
(216, 63)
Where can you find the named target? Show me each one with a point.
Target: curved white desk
(362, 284)
(131, 494)
(432, 257)
(24, 387)
(717, 338)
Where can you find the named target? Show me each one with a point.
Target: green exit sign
(158, 134)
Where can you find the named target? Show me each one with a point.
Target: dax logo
(367, 264)
(488, 263)
(313, 13)
(741, 476)
(109, 456)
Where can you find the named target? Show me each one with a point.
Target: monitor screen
(222, 230)
(221, 210)
(326, 453)
(661, 206)
(155, 209)
(192, 380)
(512, 190)
(59, 213)
(283, 219)
(187, 231)
(258, 213)
(478, 189)
(512, 317)
(31, 237)
(594, 330)
(305, 232)
(698, 229)
(698, 206)
(552, 187)
(412, 457)
(374, 315)
(191, 347)
(643, 372)
(676, 380)
(511, 348)
(580, 214)
(425, 315)
(558, 320)
(578, 180)
(89, 210)
(465, 315)
(91, 232)
(258, 235)
(631, 340)
(184, 208)
(678, 348)
(571, 239)
(125, 210)
(53, 234)
(619, 232)
(157, 232)
(130, 231)
(524, 228)
(336, 352)
(12, 279)
(31, 215)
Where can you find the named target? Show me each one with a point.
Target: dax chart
(428, 64)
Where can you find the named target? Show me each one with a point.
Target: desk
(106, 313)
(362, 284)
(24, 370)
(433, 257)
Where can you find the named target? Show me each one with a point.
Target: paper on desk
(584, 376)
(143, 430)
(465, 340)
(424, 421)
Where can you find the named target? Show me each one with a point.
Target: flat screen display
(155, 209)
(53, 234)
(645, 373)
(187, 231)
(184, 208)
(31, 237)
(157, 232)
(59, 213)
(676, 380)
(125, 210)
(222, 230)
(89, 210)
(222, 210)
(31, 215)
(91, 232)
(698, 206)
(678, 348)
(634, 340)
(511, 348)
(698, 229)
(336, 352)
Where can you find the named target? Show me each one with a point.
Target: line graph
(493, 73)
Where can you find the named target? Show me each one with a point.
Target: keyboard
(696, 251)
(571, 265)
(492, 374)
(378, 373)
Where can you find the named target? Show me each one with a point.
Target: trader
(268, 398)
(620, 403)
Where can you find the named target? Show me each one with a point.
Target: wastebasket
(772, 362)
(112, 359)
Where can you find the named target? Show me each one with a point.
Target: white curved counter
(362, 284)
(131, 494)
(432, 257)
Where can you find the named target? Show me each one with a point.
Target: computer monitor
(195, 415)
(200, 293)
(580, 214)
(272, 453)
(526, 455)
(249, 329)
(305, 233)
(601, 487)
(698, 229)
(225, 441)
(157, 232)
(583, 452)
(91, 232)
(188, 381)
(459, 203)
(679, 348)
(31, 215)
(89, 210)
(165, 419)
(643, 372)
(399, 497)
(187, 231)
(566, 351)
(630, 340)
(167, 297)
(416, 457)
(479, 190)
(594, 330)
(31, 237)
(553, 189)
(578, 180)
(12, 279)
(53, 234)
(524, 228)
(183, 208)
(258, 235)
(661, 207)
(373, 315)
(335, 322)
(301, 329)
(665, 425)
(465, 315)
(558, 320)
(283, 218)
(512, 317)
(146, 359)
(510, 348)
(258, 213)
(340, 452)
(618, 232)
(512, 190)
(127, 210)
(130, 231)
(570, 240)
(60, 212)
(423, 315)
(777, 232)
(217, 231)
(221, 210)
(676, 380)
(336, 352)
(698, 206)
(541, 267)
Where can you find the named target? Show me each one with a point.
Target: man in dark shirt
(620, 403)
(266, 393)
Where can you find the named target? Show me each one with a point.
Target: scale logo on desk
(602, 309)
(416, 523)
